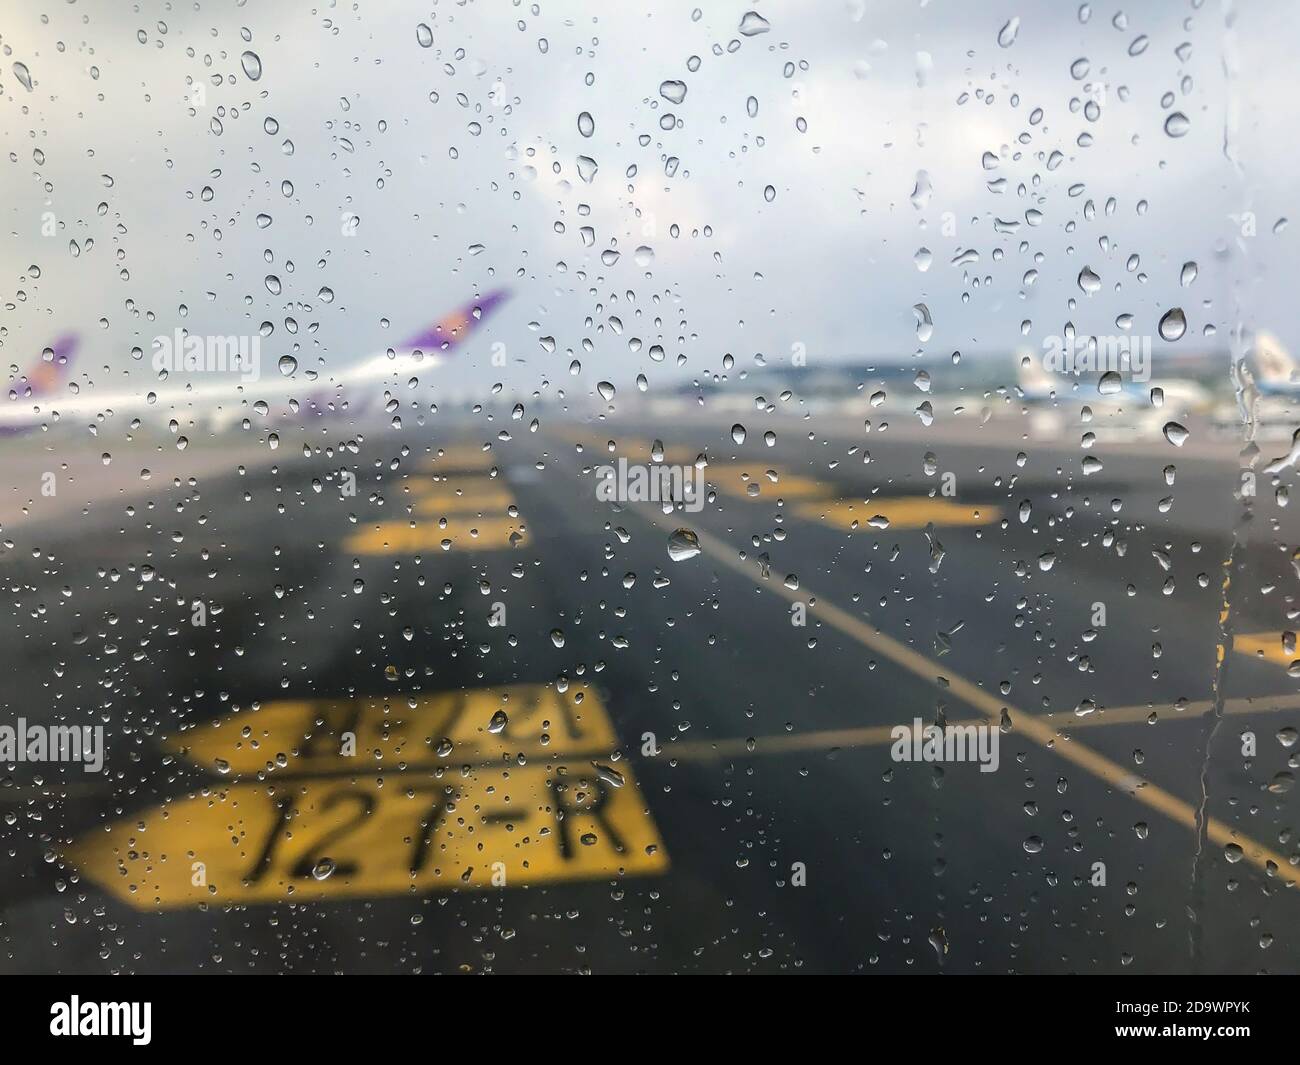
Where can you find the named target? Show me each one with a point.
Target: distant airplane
(1116, 400)
(1276, 373)
(45, 393)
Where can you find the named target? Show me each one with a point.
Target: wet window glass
(567, 487)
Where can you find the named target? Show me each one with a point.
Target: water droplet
(23, 75)
(1110, 383)
(738, 433)
(1176, 434)
(1188, 274)
(252, 64)
(323, 869)
(1007, 35)
(673, 91)
(1173, 325)
(287, 365)
(752, 24)
(922, 190)
(1177, 125)
(683, 544)
(586, 124)
(1089, 282)
(424, 35)
(924, 323)
(498, 722)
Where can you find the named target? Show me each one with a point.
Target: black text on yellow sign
(461, 790)
(326, 838)
(366, 734)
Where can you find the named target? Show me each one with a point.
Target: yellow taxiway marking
(350, 837)
(812, 499)
(445, 504)
(879, 514)
(766, 482)
(401, 800)
(383, 733)
(1270, 646)
(595, 448)
(643, 451)
(1029, 726)
(459, 534)
(880, 735)
(461, 457)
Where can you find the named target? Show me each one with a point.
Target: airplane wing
(45, 393)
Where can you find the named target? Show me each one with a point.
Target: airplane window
(649, 488)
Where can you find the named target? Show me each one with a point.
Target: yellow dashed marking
(477, 501)
(461, 457)
(1269, 646)
(569, 812)
(901, 512)
(464, 534)
(754, 482)
(459, 512)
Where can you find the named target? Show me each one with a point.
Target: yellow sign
(474, 789)
(375, 734)
(328, 838)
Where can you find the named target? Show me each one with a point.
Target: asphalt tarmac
(431, 704)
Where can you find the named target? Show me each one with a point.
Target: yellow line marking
(1024, 724)
(878, 514)
(461, 534)
(308, 735)
(445, 504)
(596, 448)
(1270, 646)
(461, 457)
(879, 735)
(755, 481)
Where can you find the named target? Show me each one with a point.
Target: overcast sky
(461, 161)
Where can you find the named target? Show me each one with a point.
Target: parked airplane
(225, 380)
